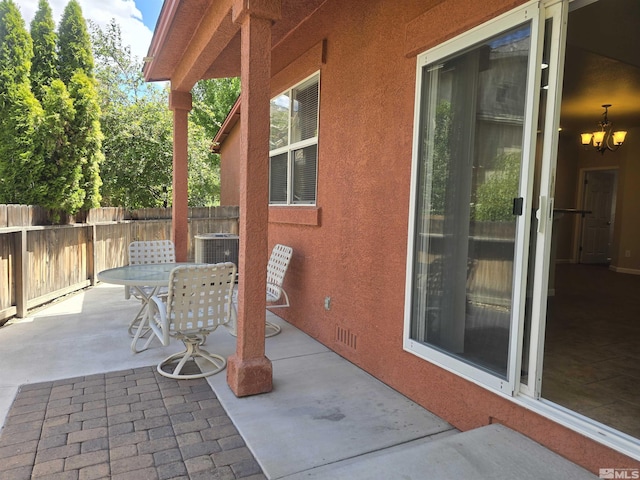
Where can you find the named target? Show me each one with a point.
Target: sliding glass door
(472, 151)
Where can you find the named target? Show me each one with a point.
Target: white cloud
(125, 12)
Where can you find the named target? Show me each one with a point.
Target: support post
(22, 272)
(92, 238)
(180, 104)
(249, 371)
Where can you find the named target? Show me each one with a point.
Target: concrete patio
(325, 419)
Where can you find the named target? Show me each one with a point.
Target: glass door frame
(527, 13)
(526, 393)
(557, 12)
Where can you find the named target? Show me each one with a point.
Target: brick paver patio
(132, 424)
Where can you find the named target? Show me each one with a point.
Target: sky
(137, 18)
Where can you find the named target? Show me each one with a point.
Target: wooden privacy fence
(39, 263)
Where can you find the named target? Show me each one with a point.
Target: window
(293, 144)
(462, 301)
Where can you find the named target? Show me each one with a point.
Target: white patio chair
(151, 251)
(144, 252)
(276, 270)
(276, 295)
(199, 301)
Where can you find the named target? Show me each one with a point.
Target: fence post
(22, 268)
(91, 254)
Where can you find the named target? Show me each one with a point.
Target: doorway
(496, 291)
(598, 214)
(592, 336)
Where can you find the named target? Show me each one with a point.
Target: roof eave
(163, 25)
(227, 126)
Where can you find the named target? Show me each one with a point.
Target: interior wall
(626, 254)
(573, 159)
(566, 197)
(626, 233)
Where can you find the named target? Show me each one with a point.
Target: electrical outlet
(327, 303)
(627, 253)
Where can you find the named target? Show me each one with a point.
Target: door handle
(541, 213)
(517, 206)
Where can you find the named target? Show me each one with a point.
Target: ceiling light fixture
(604, 139)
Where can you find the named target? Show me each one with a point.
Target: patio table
(145, 279)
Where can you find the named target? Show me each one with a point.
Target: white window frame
(292, 147)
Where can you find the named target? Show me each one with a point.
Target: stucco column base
(249, 376)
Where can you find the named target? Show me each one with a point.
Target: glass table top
(152, 274)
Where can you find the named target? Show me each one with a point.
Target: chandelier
(604, 139)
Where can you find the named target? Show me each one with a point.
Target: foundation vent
(346, 337)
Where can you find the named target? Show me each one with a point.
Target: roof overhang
(198, 39)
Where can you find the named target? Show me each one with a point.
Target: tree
(118, 71)
(138, 146)
(44, 64)
(75, 67)
(86, 137)
(62, 172)
(212, 101)
(16, 48)
(21, 160)
(74, 44)
(440, 160)
(137, 168)
(204, 169)
(495, 195)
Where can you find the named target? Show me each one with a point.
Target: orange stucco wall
(353, 246)
(230, 169)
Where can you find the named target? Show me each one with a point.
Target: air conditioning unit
(216, 248)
